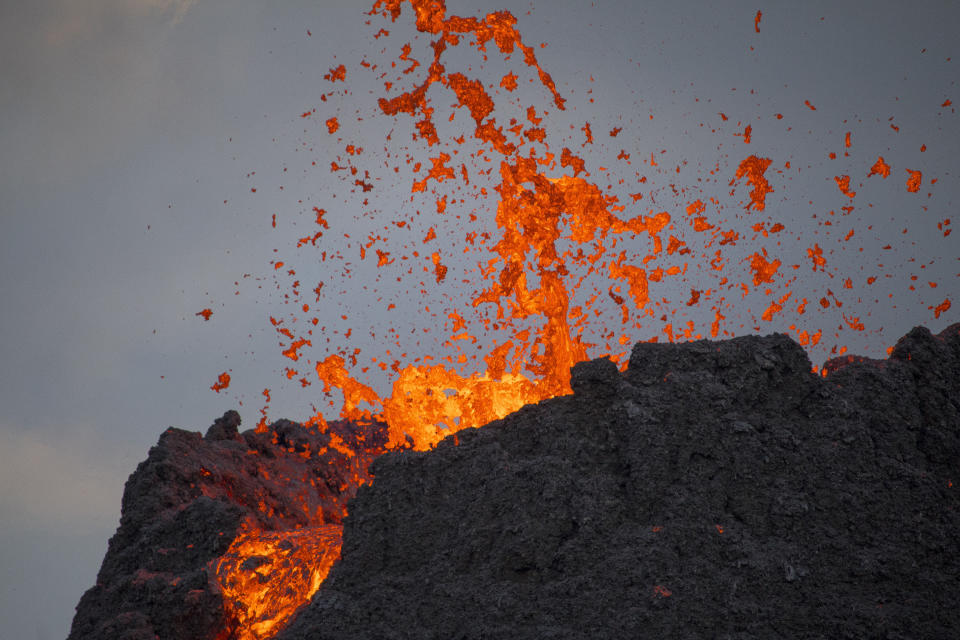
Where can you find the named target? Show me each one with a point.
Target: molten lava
(266, 575)
(294, 482)
(562, 248)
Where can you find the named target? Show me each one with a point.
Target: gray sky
(126, 124)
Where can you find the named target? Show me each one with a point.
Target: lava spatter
(537, 259)
(753, 168)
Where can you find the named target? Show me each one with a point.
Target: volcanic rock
(189, 500)
(712, 490)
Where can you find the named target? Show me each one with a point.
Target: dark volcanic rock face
(185, 505)
(713, 490)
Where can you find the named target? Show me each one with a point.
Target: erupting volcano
(505, 247)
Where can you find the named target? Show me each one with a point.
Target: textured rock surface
(713, 490)
(186, 503)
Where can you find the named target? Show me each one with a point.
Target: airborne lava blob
(523, 245)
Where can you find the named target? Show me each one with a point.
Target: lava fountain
(580, 260)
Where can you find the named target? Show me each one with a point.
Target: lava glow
(266, 575)
(571, 259)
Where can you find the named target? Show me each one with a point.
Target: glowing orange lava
(753, 169)
(267, 575)
(564, 270)
(223, 381)
(913, 182)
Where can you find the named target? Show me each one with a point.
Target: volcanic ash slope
(713, 490)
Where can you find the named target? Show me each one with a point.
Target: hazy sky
(125, 125)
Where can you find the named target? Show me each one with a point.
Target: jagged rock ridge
(188, 501)
(713, 490)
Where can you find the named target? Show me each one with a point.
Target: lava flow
(293, 482)
(267, 575)
(570, 267)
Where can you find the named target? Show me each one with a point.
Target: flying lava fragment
(223, 381)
